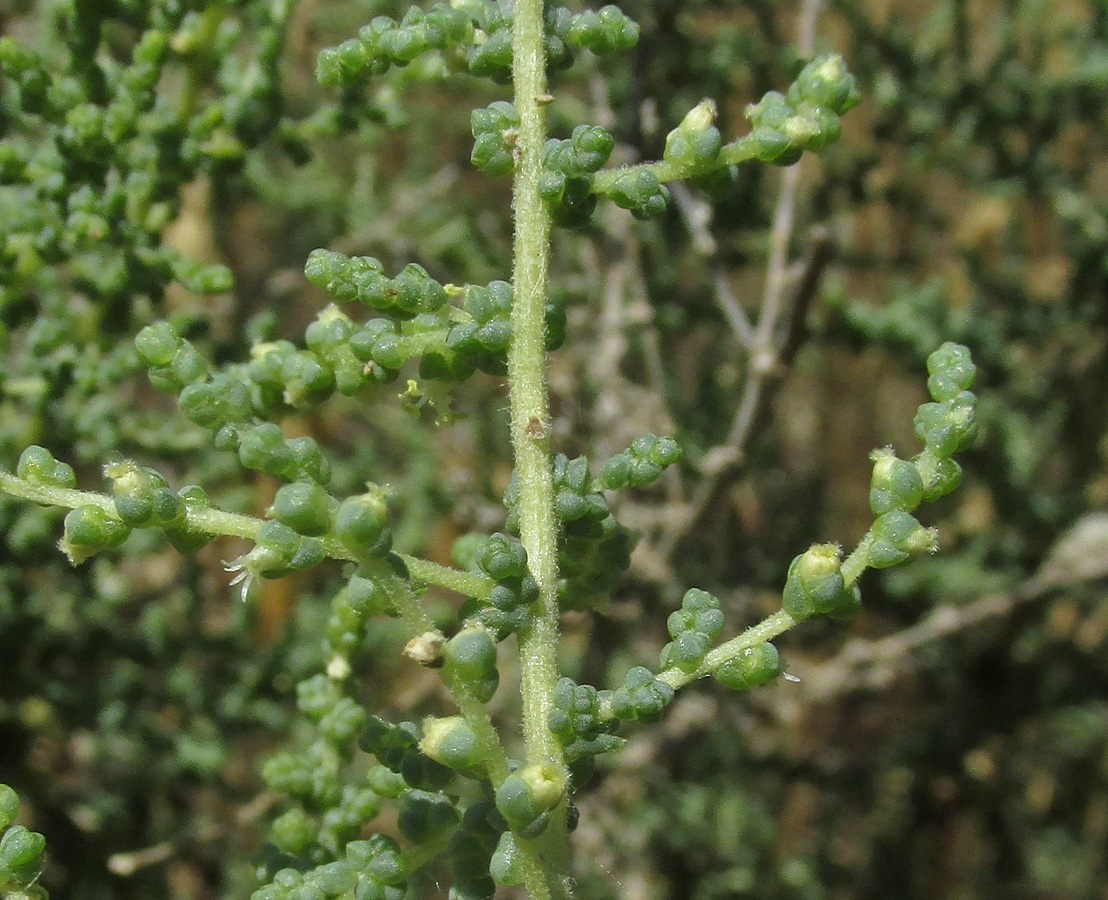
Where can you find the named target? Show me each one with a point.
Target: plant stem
(740, 151)
(229, 524)
(545, 872)
(768, 628)
(527, 385)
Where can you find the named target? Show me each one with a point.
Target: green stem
(546, 861)
(852, 568)
(858, 561)
(740, 151)
(527, 386)
(765, 630)
(218, 522)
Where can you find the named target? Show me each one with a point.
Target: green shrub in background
(165, 747)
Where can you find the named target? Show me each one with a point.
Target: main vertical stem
(530, 414)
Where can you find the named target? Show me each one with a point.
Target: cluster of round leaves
(692, 628)
(594, 550)
(815, 584)
(807, 116)
(372, 869)
(96, 171)
(21, 852)
(504, 560)
(478, 33)
(451, 342)
(945, 426)
(641, 464)
(567, 169)
(580, 727)
(228, 404)
(585, 719)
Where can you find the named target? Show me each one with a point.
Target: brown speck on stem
(535, 429)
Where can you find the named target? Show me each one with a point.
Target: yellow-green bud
(815, 585)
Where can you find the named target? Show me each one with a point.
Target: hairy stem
(768, 628)
(530, 431)
(229, 524)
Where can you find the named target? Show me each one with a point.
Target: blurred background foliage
(951, 741)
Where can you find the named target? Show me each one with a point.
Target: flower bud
(951, 371)
(21, 852)
(754, 666)
(451, 742)
(9, 805)
(896, 484)
(940, 475)
(142, 496)
(505, 865)
(825, 82)
(897, 536)
(815, 585)
(424, 817)
(948, 426)
(640, 192)
(88, 530)
(360, 521)
(37, 466)
(471, 656)
(293, 831)
(304, 506)
(528, 794)
(696, 141)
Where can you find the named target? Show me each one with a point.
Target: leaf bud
(897, 536)
(896, 483)
(452, 743)
(752, 667)
(528, 794)
(815, 585)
